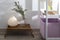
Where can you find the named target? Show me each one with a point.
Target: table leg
(32, 33)
(5, 36)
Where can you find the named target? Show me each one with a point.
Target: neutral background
(6, 13)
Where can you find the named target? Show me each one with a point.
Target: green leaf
(19, 9)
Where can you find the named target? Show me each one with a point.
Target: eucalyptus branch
(19, 9)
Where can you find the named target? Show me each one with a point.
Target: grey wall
(5, 13)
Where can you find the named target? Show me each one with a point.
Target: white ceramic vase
(12, 21)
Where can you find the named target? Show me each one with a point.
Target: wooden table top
(20, 26)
